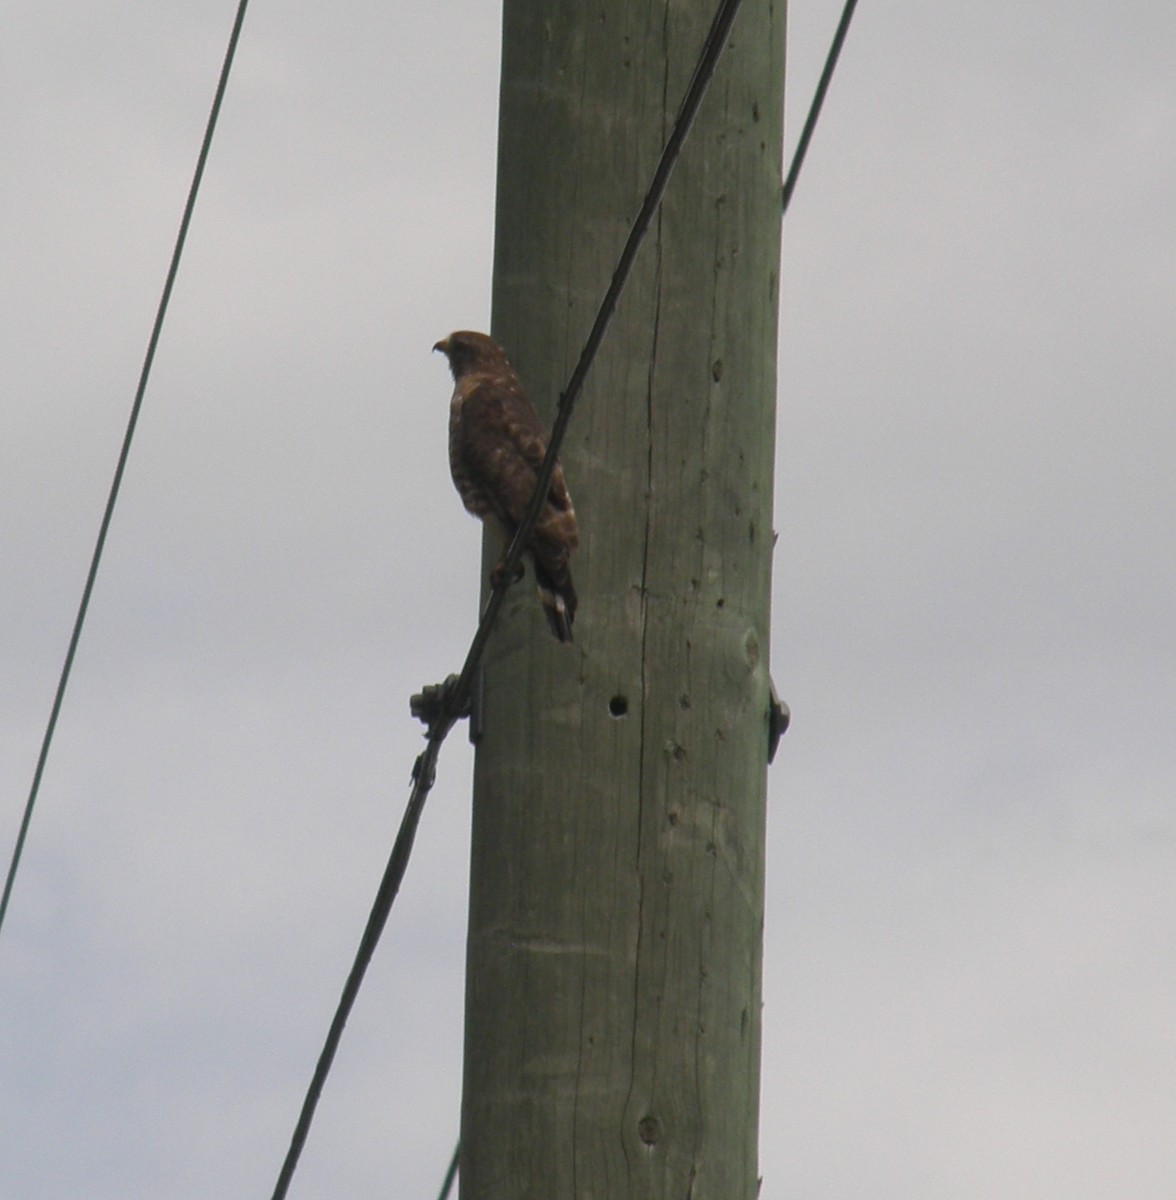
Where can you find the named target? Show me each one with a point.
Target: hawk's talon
(496, 574)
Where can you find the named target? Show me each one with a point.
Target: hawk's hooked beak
(442, 345)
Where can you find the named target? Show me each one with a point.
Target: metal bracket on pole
(779, 716)
(434, 700)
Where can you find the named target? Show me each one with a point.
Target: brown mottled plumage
(496, 446)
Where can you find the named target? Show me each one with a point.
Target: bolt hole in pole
(649, 1129)
(618, 706)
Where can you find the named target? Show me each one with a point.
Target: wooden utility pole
(616, 908)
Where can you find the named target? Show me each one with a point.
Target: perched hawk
(496, 446)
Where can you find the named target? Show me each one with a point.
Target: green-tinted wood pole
(616, 910)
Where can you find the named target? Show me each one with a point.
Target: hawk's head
(470, 351)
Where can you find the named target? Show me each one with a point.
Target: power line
(453, 697)
(810, 122)
(104, 527)
(451, 1174)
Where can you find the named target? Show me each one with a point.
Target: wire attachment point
(779, 716)
(442, 702)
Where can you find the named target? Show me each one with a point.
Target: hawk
(496, 446)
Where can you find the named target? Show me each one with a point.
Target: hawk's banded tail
(558, 597)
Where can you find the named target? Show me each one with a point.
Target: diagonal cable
(456, 691)
(104, 527)
(451, 1174)
(810, 122)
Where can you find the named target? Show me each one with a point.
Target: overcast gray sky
(970, 961)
